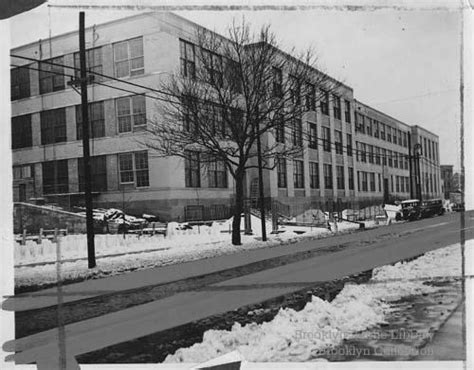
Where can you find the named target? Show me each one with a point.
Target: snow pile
(299, 336)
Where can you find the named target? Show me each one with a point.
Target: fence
(207, 213)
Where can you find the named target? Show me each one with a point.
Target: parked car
(411, 209)
(432, 207)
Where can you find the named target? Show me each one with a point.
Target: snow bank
(298, 336)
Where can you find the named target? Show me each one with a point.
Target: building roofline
(383, 113)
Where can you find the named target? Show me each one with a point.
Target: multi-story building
(447, 180)
(144, 49)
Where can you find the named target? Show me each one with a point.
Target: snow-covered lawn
(180, 245)
(300, 336)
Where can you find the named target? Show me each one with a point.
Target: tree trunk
(239, 207)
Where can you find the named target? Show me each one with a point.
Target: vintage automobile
(411, 209)
(432, 207)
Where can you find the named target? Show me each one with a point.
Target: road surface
(372, 248)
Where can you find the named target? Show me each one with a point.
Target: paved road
(85, 336)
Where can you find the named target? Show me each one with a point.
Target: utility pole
(417, 149)
(260, 183)
(85, 143)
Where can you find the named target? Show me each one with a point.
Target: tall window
(233, 76)
(363, 152)
(217, 174)
(21, 132)
(336, 106)
(20, 83)
(187, 59)
(128, 58)
(376, 128)
(405, 139)
(389, 134)
(212, 67)
(133, 168)
(380, 182)
(281, 172)
(340, 177)
(297, 132)
(390, 158)
(98, 173)
(395, 159)
(53, 126)
(382, 131)
(394, 139)
(349, 144)
(327, 170)
(402, 184)
(55, 177)
(131, 112)
(400, 138)
(324, 103)
(295, 87)
(313, 136)
(192, 169)
(364, 181)
(338, 141)
(313, 175)
(326, 138)
(310, 97)
(347, 111)
(93, 63)
(51, 75)
(371, 153)
(279, 129)
(397, 184)
(369, 126)
(351, 178)
(96, 120)
(377, 155)
(384, 156)
(298, 174)
(277, 88)
(372, 181)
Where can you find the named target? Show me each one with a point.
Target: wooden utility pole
(260, 184)
(85, 143)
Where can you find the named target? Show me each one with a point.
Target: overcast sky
(404, 63)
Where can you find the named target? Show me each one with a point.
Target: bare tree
(230, 91)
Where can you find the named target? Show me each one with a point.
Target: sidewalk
(447, 344)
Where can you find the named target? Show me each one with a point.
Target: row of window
(128, 61)
(367, 153)
(372, 127)
(298, 175)
(132, 167)
(430, 149)
(367, 182)
(430, 182)
(130, 114)
(216, 170)
(313, 141)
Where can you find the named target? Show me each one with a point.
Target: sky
(405, 63)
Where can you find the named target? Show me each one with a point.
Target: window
(128, 58)
(371, 153)
(233, 75)
(93, 63)
(405, 160)
(400, 138)
(336, 106)
(369, 126)
(277, 89)
(380, 181)
(20, 83)
(53, 126)
(281, 171)
(189, 119)
(131, 112)
(405, 140)
(279, 129)
(133, 168)
(395, 159)
(313, 175)
(310, 97)
(340, 177)
(377, 155)
(212, 64)
(96, 120)
(23, 172)
(363, 152)
(298, 174)
(424, 148)
(347, 111)
(397, 184)
(402, 184)
(376, 128)
(394, 140)
(327, 169)
(297, 132)
(390, 158)
(324, 103)
(372, 181)
(51, 76)
(313, 136)
(364, 182)
(384, 156)
(351, 178)
(192, 169)
(389, 134)
(382, 131)
(217, 174)
(338, 141)
(361, 123)
(349, 144)
(98, 173)
(55, 177)
(294, 90)
(21, 132)
(407, 184)
(326, 139)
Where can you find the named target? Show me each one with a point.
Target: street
(121, 319)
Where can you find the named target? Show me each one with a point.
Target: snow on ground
(298, 336)
(182, 245)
